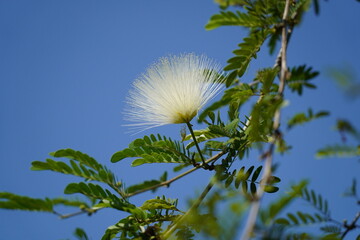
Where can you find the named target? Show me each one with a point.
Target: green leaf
(216, 145)
(153, 204)
(248, 172)
(255, 15)
(229, 180)
(309, 217)
(271, 189)
(300, 77)
(127, 227)
(299, 219)
(78, 156)
(313, 197)
(351, 191)
(244, 187)
(80, 234)
(201, 136)
(225, 131)
(346, 78)
(331, 229)
(316, 7)
(282, 221)
(331, 236)
(231, 127)
(266, 77)
(240, 176)
(302, 217)
(211, 116)
(279, 205)
(302, 118)
(243, 175)
(95, 191)
(80, 165)
(146, 184)
(236, 95)
(72, 188)
(154, 149)
(69, 202)
(305, 194)
(260, 124)
(248, 49)
(39, 166)
(231, 78)
(273, 180)
(17, 202)
(344, 126)
(338, 151)
(318, 202)
(319, 218)
(237, 18)
(293, 218)
(253, 188)
(256, 174)
(274, 39)
(184, 233)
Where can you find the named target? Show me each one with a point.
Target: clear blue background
(66, 67)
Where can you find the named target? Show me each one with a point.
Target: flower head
(172, 90)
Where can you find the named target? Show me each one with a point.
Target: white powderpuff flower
(172, 90)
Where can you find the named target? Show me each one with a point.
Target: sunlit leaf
(338, 151)
(300, 77)
(154, 149)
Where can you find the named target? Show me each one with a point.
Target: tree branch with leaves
(182, 89)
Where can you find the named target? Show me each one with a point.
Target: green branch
(168, 182)
(255, 206)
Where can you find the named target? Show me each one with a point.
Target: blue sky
(66, 67)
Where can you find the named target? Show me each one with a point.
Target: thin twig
(89, 211)
(255, 206)
(167, 183)
(196, 144)
(350, 226)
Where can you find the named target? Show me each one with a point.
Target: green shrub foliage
(219, 145)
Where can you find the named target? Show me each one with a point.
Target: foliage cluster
(224, 144)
